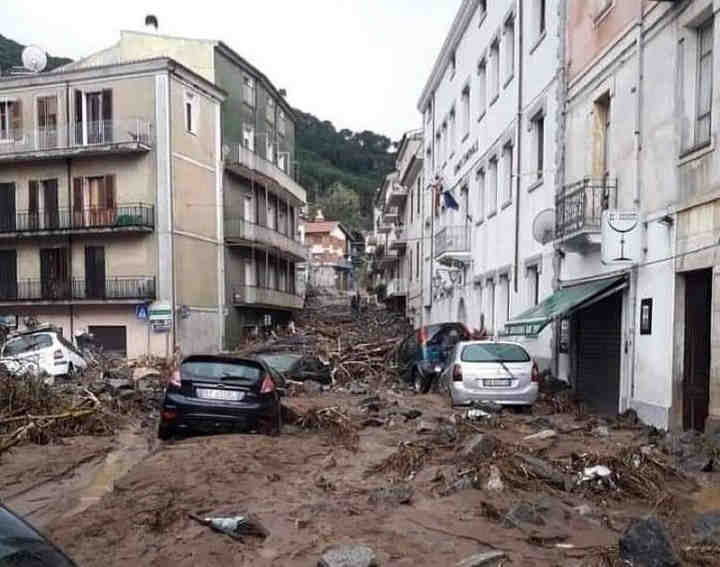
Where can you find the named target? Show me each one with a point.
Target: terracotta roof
(326, 226)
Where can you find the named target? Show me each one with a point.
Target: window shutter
(16, 107)
(78, 116)
(107, 100)
(110, 191)
(77, 194)
(33, 187)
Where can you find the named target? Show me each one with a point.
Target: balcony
(383, 227)
(384, 258)
(243, 160)
(452, 245)
(397, 287)
(105, 137)
(123, 218)
(120, 289)
(396, 195)
(391, 215)
(257, 296)
(239, 232)
(578, 211)
(399, 243)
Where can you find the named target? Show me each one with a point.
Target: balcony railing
(452, 241)
(239, 154)
(135, 133)
(396, 194)
(384, 227)
(265, 296)
(391, 215)
(241, 230)
(122, 217)
(397, 286)
(114, 288)
(579, 206)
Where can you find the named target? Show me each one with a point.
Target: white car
(48, 349)
(491, 371)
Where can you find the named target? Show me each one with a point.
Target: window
(601, 136)
(704, 82)
(504, 314)
(94, 116)
(190, 113)
(492, 185)
(270, 111)
(507, 172)
(533, 277)
(412, 207)
(249, 90)
(539, 139)
(282, 161)
(282, 128)
(482, 87)
(6, 120)
(494, 352)
(417, 199)
(466, 111)
(541, 6)
(453, 132)
(481, 194)
(47, 121)
(249, 137)
(494, 70)
(509, 45)
(270, 149)
(490, 310)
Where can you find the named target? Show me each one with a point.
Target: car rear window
(219, 369)
(494, 352)
(27, 343)
(281, 362)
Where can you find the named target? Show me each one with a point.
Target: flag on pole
(450, 201)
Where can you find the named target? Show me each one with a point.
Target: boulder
(646, 544)
(540, 435)
(348, 556)
(486, 559)
(524, 513)
(481, 445)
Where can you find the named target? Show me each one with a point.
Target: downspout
(70, 208)
(518, 144)
(432, 208)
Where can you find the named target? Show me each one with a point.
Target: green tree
(342, 204)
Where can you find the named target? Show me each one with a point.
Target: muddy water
(707, 499)
(84, 485)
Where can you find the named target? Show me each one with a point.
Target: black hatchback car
(210, 393)
(21, 544)
(423, 355)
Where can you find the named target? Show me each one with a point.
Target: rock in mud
(545, 471)
(524, 513)
(646, 544)
(706, 530)
(540, 435)
(495, 483)
(328, 462)
(392, 495)
(312, 387)
(481, 445)
(486, 559)
(349, 556)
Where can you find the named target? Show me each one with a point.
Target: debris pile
(335, 422)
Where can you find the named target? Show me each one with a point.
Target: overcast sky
(359, 63)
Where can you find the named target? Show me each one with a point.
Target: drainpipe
(518, 144)
(70, 210)
(432, 209)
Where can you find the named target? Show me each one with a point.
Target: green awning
(564, 300)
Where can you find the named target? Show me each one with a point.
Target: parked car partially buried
(491, 371)
(21, 544)
(423, 355)
(295, 366)
(46, 348)
(211, 393)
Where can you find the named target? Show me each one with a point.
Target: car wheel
(71, 373)
(165, 432)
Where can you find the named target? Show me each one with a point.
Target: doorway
(94, 272)
(54, 273)
(462, 312)
(696, 363)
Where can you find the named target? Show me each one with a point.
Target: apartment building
(489, 116)
(329, 245)
(204, 171)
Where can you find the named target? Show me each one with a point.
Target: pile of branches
(408, 459)
(338, 426)
(34, 412)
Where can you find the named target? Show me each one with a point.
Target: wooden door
(54, 273)
(50, 196)
(95, 272)
(7, 207)
(33, 221)
(696, 379)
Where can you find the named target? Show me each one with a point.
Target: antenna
(34, 58)
(543, 228)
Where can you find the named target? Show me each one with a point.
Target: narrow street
(404, 474)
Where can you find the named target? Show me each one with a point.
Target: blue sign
(141, 312)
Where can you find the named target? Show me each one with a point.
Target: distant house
(330, 248)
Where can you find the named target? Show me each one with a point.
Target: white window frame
(539, 145)
(481, 182)
(190, 99)
(494, 60)
(249, 90)
(508, 162)
(532, 273)
(700, 115)
(482, 87)
(249, 137)
(6, 135)
(492, 193)
(465, 111)
(509, 49)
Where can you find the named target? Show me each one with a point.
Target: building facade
(209, 200)
(329, 246)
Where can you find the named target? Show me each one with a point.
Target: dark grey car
(21, 545)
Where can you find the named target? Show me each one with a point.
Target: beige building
(155, 174)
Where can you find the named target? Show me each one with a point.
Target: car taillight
(268, 386)
(57, 354)
(457, 373)
(175, 379)
(535, 373)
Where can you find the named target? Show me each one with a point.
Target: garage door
(598, 364)
(112, 338)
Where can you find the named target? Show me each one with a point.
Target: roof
(323, 226)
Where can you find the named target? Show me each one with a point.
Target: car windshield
(27, 343)
(494, 352)
(220, 369)
(282, 362)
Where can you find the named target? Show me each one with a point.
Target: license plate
(497, 382)
(225, 395)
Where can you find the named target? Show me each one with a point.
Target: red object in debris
(168, 415)
(535, 374)
(268, 386)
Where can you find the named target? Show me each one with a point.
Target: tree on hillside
(343, 204)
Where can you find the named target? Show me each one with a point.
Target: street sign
(160, 311)
(141, 312)
(621, 235)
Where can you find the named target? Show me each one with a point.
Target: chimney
(319, 216)
(151, 21)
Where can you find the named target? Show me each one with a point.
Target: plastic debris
(235, 526)
(596, 472)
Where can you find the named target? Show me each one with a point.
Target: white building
(489, 116)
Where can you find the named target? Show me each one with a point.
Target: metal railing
(391, 214)
(245, 156)
(261, 295)
(242, 229)
(452, 239)
(122, 216)
(397, 286)
(120, 287)
(579, 206)
(76, 135)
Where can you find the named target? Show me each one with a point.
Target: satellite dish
(544, 226)
(34, 58)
